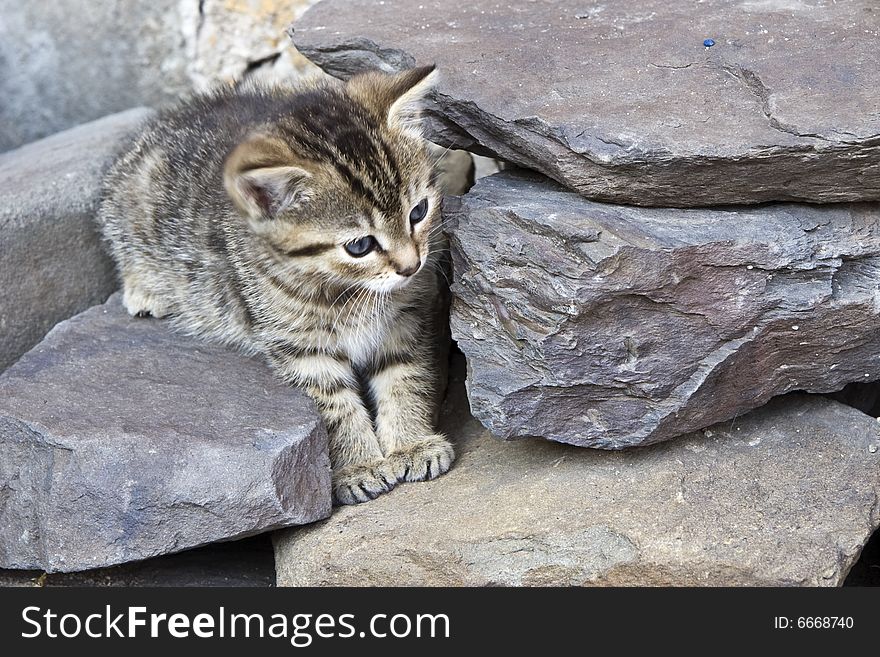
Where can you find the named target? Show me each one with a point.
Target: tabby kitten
(299, 224)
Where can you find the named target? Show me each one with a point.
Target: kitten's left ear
(397, 98)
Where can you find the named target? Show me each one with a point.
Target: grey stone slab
(612, 326)
(53, 264)
(784, 496)
(623, 102)
(122, 440)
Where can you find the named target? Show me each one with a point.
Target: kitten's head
(342, 187)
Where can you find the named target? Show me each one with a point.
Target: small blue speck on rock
(709, 43)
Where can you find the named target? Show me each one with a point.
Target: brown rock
(786, 495)
(612, 326)
(623, 102)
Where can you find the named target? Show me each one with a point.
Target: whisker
(437, 158)
(346, 313)
(333, 303)
(436, 267)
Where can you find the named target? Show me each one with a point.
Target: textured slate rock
(611, 326)
(123, 441)
(623, 102)
(786, 495)
(53, 264)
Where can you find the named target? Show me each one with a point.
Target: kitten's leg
(403, 386)
(359, 471)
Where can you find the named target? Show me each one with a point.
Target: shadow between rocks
(248, 562)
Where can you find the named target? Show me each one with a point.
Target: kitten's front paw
(361, 483)
(142, 304)
(421, 460)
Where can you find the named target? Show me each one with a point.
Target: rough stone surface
(68, 62)
(65, 63)
(611, 326)
(786, 495)
(122, 441)
(623, 102)
(53, 263)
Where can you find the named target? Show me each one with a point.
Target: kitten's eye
(419, 212)
(360, 248)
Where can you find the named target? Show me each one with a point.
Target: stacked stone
(694, 230)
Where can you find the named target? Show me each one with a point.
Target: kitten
(299, 224)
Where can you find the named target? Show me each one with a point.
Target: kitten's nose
(408, 271)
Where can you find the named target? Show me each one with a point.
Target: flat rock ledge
(785, 496)
(611, 326)
(622, 100)
(122, 440)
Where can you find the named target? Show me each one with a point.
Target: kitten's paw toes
(361, 483)
(424, 459)
(142, 304)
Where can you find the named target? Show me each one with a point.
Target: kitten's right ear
(262, 178)
(396, 98)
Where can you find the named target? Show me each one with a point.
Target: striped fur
(229, 216)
